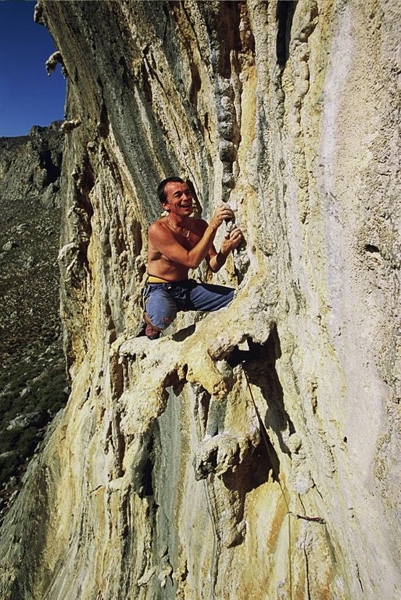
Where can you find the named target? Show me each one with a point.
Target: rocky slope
(251, 453)
(32, 365)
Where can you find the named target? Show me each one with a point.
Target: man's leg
(160, 308)
(209, 297)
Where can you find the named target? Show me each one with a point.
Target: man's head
(161, 191)
(176, 196)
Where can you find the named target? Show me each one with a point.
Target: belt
(154, 279)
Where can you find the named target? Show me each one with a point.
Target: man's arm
(165, 242)
(217, 259)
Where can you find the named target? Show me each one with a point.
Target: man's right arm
(165, 242)
(162, 239)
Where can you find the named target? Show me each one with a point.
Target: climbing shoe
(151, 332)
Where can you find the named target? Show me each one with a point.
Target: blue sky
(28, 96)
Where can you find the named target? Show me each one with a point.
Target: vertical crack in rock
(285, 14)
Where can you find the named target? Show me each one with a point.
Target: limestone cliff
(251, 453)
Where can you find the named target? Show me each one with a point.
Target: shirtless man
(177, 243)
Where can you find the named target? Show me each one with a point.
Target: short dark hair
(160, 190)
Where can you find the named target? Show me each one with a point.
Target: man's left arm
(217, 259)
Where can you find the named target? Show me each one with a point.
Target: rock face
(251, 453)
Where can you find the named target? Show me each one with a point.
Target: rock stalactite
(250, 453)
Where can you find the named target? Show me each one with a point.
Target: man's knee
(163, 323)
(160, 308)
(159, 317)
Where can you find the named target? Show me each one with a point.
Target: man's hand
(231, 240)
(223, 213)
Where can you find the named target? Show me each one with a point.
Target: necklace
(184, 232)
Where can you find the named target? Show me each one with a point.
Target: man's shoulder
(160, 223)
(157, 229)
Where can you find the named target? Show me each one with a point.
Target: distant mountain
(32, 372)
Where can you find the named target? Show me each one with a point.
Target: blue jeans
(163, 300)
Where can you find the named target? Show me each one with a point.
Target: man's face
(179, 199)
